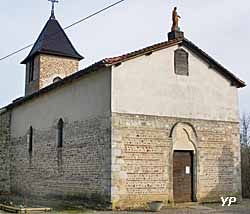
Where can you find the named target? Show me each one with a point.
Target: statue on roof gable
(175, 18)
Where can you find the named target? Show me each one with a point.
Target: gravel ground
(243, 208)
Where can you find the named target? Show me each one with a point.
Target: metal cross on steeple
(53, 8)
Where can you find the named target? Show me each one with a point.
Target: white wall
(84, 98)
(148, 85)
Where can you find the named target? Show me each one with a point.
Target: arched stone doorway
(184, 156)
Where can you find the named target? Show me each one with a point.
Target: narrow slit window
(31, 70)
(60, 133)
(30, 139)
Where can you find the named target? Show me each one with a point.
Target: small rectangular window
(181, 62)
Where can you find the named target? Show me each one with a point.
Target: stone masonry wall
(78, 171)
(46, 68)
(142, 159)
(55, 66)
(4, 152)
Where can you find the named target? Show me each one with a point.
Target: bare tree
(245, 154)
(245, 130)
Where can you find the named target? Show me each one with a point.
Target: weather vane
(53, 7)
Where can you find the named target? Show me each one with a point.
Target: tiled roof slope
(125, 57)
(53, 40)
(188, 44)
(107, 62)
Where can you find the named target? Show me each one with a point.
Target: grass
(69, 210)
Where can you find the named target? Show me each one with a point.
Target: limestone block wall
(81, 168)
(78, 171)
(4, 151)
(46, 68)
(142, 159)
(54, 66)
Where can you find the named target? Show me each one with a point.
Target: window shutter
(181, 62)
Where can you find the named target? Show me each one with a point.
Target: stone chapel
(160, 123)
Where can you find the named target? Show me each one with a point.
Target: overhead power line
(75, 23)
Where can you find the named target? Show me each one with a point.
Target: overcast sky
(219, 27)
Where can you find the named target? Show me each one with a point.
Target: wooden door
(183, 176)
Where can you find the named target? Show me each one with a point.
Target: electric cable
(75, 23)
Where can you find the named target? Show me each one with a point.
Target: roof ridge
(158, 46)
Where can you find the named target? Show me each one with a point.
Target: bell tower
(53, 57)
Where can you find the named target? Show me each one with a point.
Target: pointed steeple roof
(53, 40)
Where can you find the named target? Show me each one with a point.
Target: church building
(156, 124)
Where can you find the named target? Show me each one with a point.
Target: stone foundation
(142, 156)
